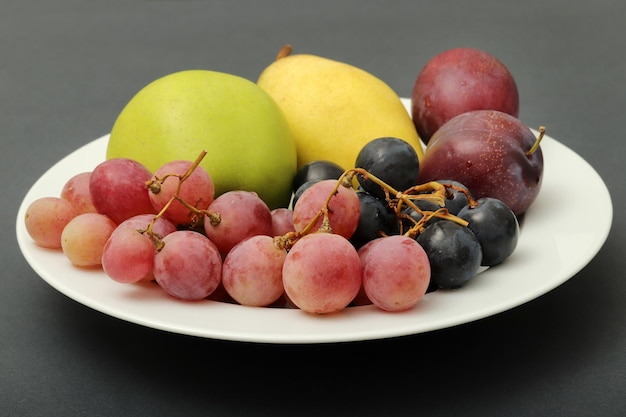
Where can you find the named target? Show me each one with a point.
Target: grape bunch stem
(154, 185)
(432, 191)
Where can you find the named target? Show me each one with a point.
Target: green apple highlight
(248, 141)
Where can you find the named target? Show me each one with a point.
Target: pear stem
(533, 149)
(285, 51)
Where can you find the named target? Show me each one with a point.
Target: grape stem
(154, 185)
(432, 191)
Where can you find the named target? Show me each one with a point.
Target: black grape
(317, 171)
(455, 199)
(375, 218)
(495, 226)
(454, 253)
(392, 160)
(416, 216)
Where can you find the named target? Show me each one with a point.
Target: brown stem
(342, 181)
(193, 167)
(441, 213)
(470, 200)
(533, 149)
(181, 178)
(436, 195)
(288, 240)
(285, 51)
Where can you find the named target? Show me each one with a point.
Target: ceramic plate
(552, 248)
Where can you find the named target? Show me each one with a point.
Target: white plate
(553, 247)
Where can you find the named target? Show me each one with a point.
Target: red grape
(76, 191)
(242, 214)
(197, 190)
(343, 209)
(322, 273)
(128, 255)
(396, 272)
(282, 221)
(118, 189)
(189, 267)
(252, 271)
(46, 218)
(84, 237)
(161, 227)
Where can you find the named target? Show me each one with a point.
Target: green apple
(248, 141)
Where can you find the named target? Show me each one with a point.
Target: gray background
(67, 68)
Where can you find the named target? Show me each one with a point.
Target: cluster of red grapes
(367, 235)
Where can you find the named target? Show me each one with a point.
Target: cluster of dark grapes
(459, 234)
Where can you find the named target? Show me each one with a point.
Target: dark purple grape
(317, 171)
(392, 160)
(455, 199)
(495, 226)
(416, 216)
(375, 218)
(454, 253)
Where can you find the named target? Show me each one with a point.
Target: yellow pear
(334, 108)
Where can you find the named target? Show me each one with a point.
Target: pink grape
(76, 191)
(161, 228)
(84, 237)
(252, 271)
(344, 208)
(322, 273)
(128, 255)
(396, 272)
(189, 267)
(118, 189)
(197, 189)
(45, 219)
(282, 221)
(242, 214)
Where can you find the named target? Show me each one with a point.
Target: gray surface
(68, 67)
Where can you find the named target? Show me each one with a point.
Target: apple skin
(457, 81)
(248, 141)
(486, 150)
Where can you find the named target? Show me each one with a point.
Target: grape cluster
(366, 235)
(458, 234)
